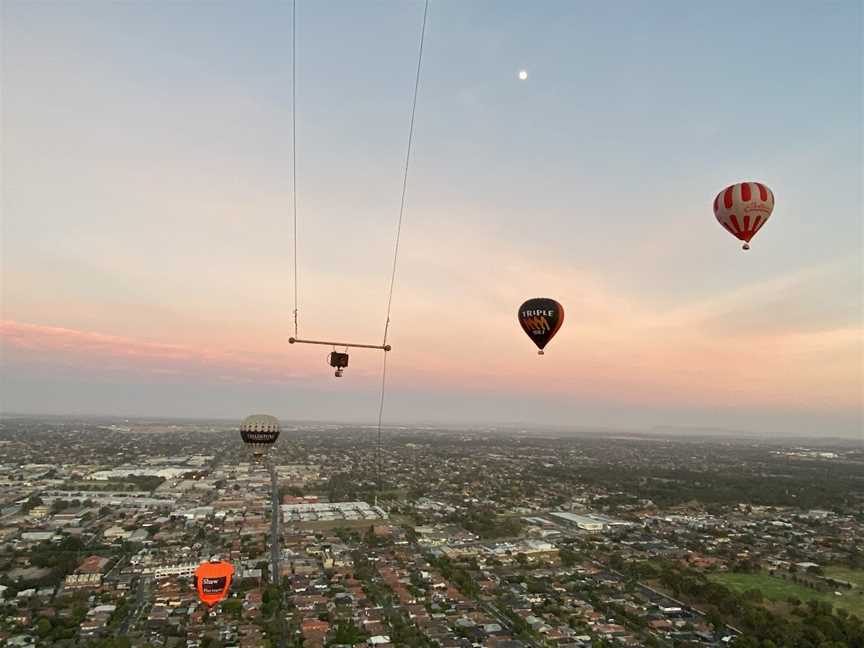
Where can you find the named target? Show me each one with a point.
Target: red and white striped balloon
(743, 209)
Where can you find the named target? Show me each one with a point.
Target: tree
(347, 633)
(114, 642)
(568, 557)
(233, 607)
(32, 503)
(43, 628)
(715, 621)
(754, 595)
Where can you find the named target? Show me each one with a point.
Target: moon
(523, 74)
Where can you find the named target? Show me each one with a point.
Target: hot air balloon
(259, 432)
(212, 580)
(541, 318)
(743, 209)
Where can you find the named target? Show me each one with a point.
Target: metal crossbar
(383, 347)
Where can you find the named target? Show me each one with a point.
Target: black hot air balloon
(541, 318)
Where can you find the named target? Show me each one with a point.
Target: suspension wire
(294, 147)
(380, 416)
(405, 176)
(396, 248)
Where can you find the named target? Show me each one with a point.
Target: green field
(777, 589)
(855, 576)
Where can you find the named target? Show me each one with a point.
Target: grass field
(777, 589)
(855, 576)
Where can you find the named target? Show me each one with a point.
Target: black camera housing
(338, 360)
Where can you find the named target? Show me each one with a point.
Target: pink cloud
(25, 343)
(457, 331)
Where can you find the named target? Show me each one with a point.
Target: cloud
(26, 344)
(821, 298)
(793, 341)
(454, 328)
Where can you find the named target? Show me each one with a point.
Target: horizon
(146, 212)
(659, 431)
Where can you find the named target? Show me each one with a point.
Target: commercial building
(136, 471)
(332, 512)
(117, 499)
(582, 522)
(590, 522)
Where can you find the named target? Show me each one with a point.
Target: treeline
(814, 625)
(56, 629)
(814, 578)
(801, 486)
(487, 524)
(351, 486)
(457, 575)
(147, 483)
(60, 559)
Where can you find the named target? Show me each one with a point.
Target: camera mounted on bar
(339, 361)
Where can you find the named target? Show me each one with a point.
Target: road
(275, 531)
(142, 597)
(276, 550)
(504, 622)
(117, 565)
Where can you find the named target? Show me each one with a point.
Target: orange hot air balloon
(212, 580)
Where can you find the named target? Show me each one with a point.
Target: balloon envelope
(541, 318)
(259, 432)
(743, 209)
(212, 580)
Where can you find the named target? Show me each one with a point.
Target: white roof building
(116, 532)
(581, 521)
(329, 511)
(38, 536)
(182, 569)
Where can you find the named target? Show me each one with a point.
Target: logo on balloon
(213, 585)
(537, 325)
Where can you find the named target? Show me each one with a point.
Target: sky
(147, 265)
